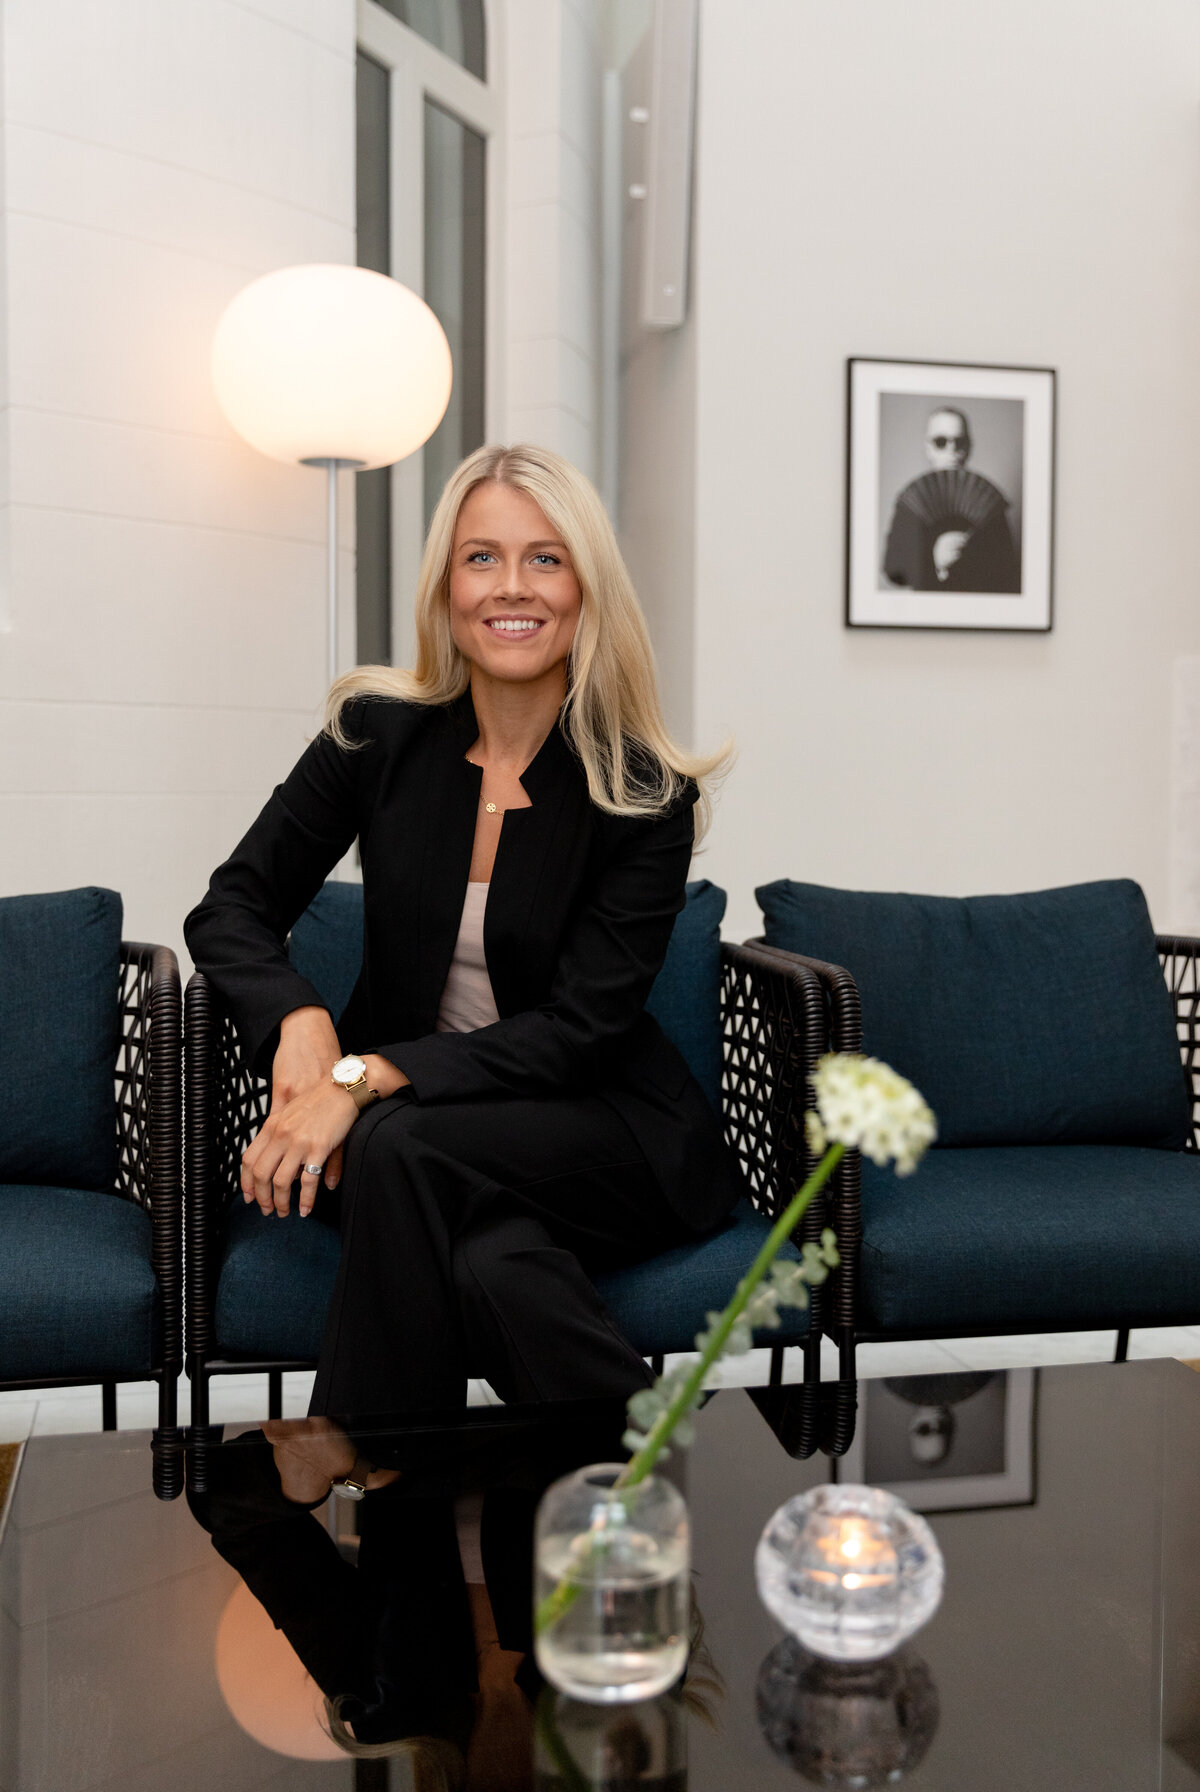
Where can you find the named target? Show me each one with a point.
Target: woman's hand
(307, 1051)
(307, 1130)
(310, 1116)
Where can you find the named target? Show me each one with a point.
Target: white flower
(864, 1103)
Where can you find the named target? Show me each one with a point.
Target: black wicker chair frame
(1180, 959)
(149, 1156)
(775, 1023)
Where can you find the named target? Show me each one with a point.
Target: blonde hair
(612, 715)
(436, 1764)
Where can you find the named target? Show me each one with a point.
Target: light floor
(238, 1398)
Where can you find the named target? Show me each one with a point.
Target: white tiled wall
(553, 82)
(162, 644)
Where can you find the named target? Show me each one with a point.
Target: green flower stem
(640, 1464)
(555, 1604)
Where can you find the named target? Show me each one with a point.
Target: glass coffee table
(1065, 1654)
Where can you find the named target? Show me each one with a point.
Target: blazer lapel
(452, 801)
(527, 906)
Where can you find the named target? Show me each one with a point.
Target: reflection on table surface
(251, 1639)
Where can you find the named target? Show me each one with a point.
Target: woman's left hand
(309, 1130)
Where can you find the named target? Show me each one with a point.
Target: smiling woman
(526, 827)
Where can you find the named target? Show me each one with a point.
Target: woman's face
(514, 597)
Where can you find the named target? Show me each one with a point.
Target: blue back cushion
(326, 946)
(60, 975)
(1024, 1020)
(686, 997)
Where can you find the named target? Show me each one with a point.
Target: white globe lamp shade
(331, 363)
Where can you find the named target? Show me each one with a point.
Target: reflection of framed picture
(947, 1442)
(950, 496)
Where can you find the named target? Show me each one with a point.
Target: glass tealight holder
(613, 1565)
(849, 1570)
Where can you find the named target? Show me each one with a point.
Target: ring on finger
(313, 1169)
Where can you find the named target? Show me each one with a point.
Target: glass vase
(612, 1586)
(582, 1747)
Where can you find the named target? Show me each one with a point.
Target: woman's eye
(479, 554)
(547, 559)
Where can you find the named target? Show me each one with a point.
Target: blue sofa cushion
(1031, 1238)
(326, 946)
(278, 1276)
(77, 1291)
(661, 1304)
(60, 969)
(1024, 1020)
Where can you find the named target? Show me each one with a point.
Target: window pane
(455, 244)
(373, 491)
(453, 26)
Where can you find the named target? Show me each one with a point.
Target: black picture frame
(933, 541)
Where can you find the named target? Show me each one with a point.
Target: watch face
(349, 1070)
(348, 1489)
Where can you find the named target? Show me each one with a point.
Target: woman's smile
(518, 626)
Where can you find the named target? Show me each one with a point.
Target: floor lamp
(334, 367)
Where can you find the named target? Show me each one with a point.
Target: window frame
(418, 71)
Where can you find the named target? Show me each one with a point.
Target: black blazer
(578, 920)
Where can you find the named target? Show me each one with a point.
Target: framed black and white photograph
(947, 1442)
(950, 496)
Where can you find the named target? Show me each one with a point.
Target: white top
(467, 1000)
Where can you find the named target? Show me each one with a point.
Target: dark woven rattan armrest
(1179, 955)
(844, 1207)
(773, 1016)
(150, 1120)
(226, 1105)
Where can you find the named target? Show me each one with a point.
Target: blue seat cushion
(1031, 1238)
(1024, 1020)
(326, 946)
(661, 1304)
(60, 978)
(277, 1280)
(77, 1292)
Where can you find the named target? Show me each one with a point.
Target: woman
(510, 1116)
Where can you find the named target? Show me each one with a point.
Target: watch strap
(353, 1485)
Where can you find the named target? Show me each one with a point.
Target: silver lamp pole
(332, 469)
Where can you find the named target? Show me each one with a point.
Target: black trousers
(468, 1230)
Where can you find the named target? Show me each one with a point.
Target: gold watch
(350, 1074)
(352, 1486)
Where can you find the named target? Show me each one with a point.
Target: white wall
(552, 76)
(162, 647)
(1013, 183)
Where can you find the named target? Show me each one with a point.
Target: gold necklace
(489, 808)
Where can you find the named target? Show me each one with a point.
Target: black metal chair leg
(275, 1393)
(108, 1405)
(166, 1444)
(1121, 1353)
(776, 1380)
(656, 1365)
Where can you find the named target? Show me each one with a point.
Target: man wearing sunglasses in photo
(950, 530)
